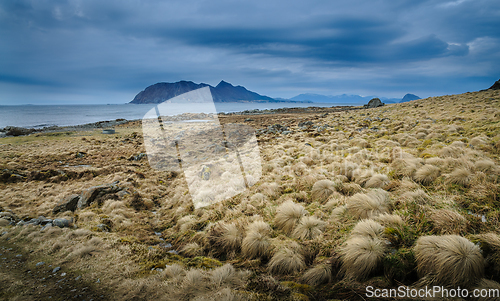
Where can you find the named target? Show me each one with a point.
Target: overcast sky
(56, 51)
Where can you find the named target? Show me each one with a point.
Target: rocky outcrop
(374, 103)
(96, 193)
(17, 131)
(68, 203)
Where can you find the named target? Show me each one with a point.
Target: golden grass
(308, 228)
(361, 256)
(449, 260)
(288, 216)
(286, 260)
(319, 274)
(257, 242)
(448, 221)
(322, 190)
(368, 205)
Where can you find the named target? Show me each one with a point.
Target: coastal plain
(348, 198)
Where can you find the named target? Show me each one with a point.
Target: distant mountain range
(223, 92)
(350, 99)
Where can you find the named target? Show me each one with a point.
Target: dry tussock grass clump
(174, 271)
(194, 284)
(449, 260)
(427, 174)
(490, 245)
(448, 221)
(308, 228)
(418, 196)
(317, 275)
(288, 216)
(362, 176)
(348, 169)
(334, 202)
(305, 183)
(460, 176)
(226, 237)
(368, 228)
(257, 242)
(479, 141)
(436, 161)
(361, 256)
(390, 220)
(87, 216)
(360, 142)
(452, 151)
(227, 277)
(486, 166)
(377, 181)
(191, 250)
(405, 167)
(258, 199)
(272, 190)
(350, 188)
(368, 205)
(322, 190)
(489, 288)
(81, 251)
(286, 261)
(78, 233)
(186, 223)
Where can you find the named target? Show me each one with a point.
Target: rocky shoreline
(12, 131)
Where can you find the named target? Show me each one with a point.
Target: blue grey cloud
(278, 48)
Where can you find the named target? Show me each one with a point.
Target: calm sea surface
(62, 115)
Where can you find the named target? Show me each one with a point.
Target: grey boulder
(374, 103)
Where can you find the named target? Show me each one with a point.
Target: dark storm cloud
(328, 47)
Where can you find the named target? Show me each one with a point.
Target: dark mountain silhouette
(496, 86)
(409, 97)
(223, 92)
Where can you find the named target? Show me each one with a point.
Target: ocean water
(38, 116)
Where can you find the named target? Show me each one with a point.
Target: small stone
(40, 263)
(61, 222)
(103, 228)
(49, 225)
(63, 274)
(56, 270)
(78, 278)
